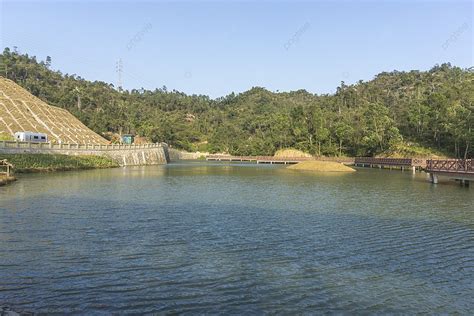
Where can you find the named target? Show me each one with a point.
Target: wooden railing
(275, 159)
(408, 162)
(335, 159)
(5, 144)
(450, 165)
(5, 167)
(229, 157)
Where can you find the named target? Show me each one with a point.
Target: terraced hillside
(21, 111)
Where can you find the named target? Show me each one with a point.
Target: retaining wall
(125, 155)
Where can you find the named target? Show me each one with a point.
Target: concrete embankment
(139, 157)
(124, 155)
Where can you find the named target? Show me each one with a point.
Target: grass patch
(25, 163)
(322, 166)
(290, 152)
(4, 136)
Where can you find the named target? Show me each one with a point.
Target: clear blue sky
(217, 47)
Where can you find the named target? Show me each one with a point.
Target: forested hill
(396, 111)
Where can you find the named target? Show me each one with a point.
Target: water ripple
(236, 239)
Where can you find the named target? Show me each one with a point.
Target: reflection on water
(243, 238)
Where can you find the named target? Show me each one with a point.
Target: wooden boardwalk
(402, 163)
(358, 161)
(458, 169)
(277, 160)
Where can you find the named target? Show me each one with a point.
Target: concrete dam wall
(139, 157)
(125, 155)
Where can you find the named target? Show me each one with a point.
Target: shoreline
(47, 163)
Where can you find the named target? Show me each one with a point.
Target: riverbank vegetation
(401, 150)
(433, 109)
(26, 163)
(5, 136)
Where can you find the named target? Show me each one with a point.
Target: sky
(218, 47)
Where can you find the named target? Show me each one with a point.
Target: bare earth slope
(323, 166)
(21, 111)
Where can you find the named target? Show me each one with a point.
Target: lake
(203, 237)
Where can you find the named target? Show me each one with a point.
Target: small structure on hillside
(128, 138)
(31, 137)
(6, 168)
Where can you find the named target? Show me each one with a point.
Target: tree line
(421, 111)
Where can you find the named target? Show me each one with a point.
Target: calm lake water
(240, 238)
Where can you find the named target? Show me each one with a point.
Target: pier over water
(458, 169)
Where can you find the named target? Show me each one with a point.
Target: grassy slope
(43, 162)
(290, 152)
(25, 111)
(412, 150)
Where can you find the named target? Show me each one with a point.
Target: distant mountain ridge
(20, 111)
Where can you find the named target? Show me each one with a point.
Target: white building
(31, 137)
